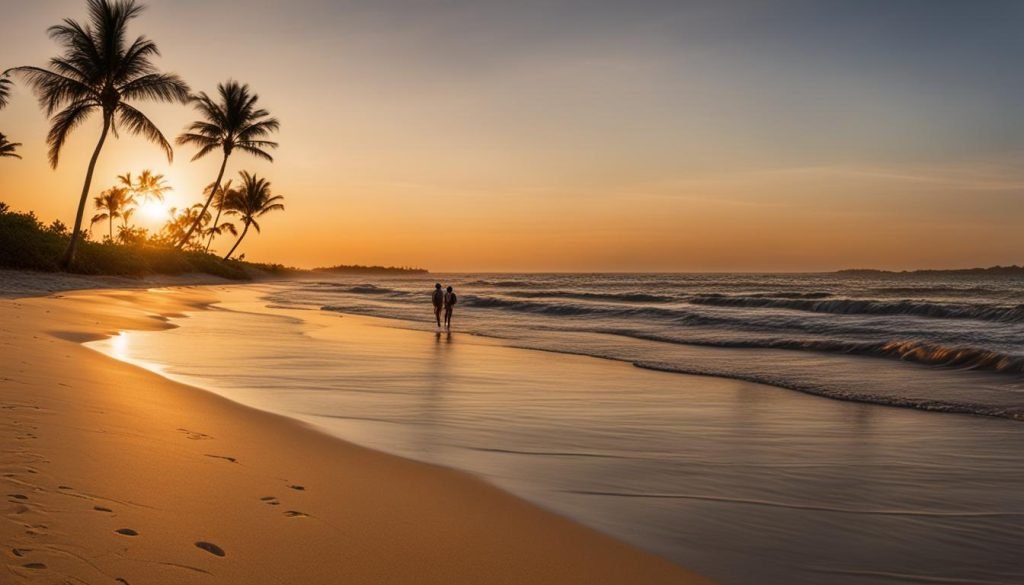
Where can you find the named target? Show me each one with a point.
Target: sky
(571, 135)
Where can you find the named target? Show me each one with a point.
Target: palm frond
(62, 125)
(5, 90)
(137, 123)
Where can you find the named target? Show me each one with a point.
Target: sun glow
(155, 210)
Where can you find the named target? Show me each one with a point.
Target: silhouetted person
(449, 303)
(438, 302)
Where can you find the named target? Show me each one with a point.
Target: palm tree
(114, 203)
(253, 199)
(7, 148)
(218, 203)
(100, 71)
(180, 223)
(232, 123)
(148, 187)
(5, 90)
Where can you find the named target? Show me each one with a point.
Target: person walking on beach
(438, 302)
(449, 303)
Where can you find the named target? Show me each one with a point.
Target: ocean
(853, 428)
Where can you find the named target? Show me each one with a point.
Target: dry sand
(112, 474)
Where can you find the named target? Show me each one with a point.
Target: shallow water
(953, 343)
(743, 482)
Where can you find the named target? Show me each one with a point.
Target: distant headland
(359, 269)
(990, 271)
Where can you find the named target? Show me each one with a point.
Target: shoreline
(192, 476)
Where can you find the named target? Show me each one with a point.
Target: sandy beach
(112, 474)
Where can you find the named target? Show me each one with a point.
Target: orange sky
(495, 138)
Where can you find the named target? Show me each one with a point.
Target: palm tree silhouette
(99, 71)
(218, 202)
(7, 148)
(114, 203)
(232, 123)
(148, 187)
(5, 90)
(253, 199)
(181, 221)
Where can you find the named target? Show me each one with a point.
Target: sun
(155, 210)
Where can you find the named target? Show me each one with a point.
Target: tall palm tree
(233, 122)
(253, 199)
(100, 71)
(8, 148)
(114, 203)
(218, 203)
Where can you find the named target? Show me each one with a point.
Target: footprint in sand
(299, 488)
(195, 436)
(296, 514)
(101, 509)
(126, 532)
(34, 566)
(17, 496)
(224, 457)
(211, 548)
(271, 500)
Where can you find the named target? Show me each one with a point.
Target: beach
(112, 473)
(747, 483)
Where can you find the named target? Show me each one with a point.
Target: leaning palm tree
(114, 203)
(233, 122)
(7, 148)
(224, 227)
(218, 203)
(253, 199)
(100, 71)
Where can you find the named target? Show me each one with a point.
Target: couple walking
(444, 299)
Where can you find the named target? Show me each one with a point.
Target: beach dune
(113, 474)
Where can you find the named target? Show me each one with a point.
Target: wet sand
(111, 473)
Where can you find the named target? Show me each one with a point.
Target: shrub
(25, 243)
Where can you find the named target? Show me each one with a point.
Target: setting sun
(154, 210)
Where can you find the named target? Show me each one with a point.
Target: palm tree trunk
(216, 220)
(232, 250)
(199, 218)
(110, 228)
(69, 255)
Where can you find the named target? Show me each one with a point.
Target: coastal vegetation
(101, 71)
(27, 243)
(253, 199)
(232, 123)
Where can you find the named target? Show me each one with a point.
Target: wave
(497, 283)
(936, 290)
(677, 316)
(981, 312)
(628, 297)
(790, 295)
(920, 352)
(948, 406)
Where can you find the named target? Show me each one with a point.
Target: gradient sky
(587, 136)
